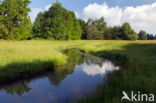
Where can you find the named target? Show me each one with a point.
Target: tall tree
(83, 25)
(14, 20)
(95, 29)
(142, 35)
(128, 33)
(37, 27)
(116, 33)
(57, 23)
(93, 33)
(101, 27)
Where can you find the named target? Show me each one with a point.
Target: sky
(141, 14)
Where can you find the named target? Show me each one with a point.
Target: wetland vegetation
(136, 60)
(91, 63)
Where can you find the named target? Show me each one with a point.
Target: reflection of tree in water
(74, 58)
(93, 60)
(18, 88)
(56, 76)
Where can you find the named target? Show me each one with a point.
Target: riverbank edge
(26, 70)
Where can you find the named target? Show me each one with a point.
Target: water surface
(79, 78)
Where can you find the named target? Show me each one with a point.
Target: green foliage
(92, 33)
(57, 23)
(142, 35)
(83, 25)
(113, 33)
(151, 37)
(94, 30)
(132, 37)
(98, 30)
(37, 24)
(127, 32)
(14, 20)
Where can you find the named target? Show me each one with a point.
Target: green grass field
(137, 60)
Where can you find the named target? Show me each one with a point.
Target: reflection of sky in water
(83, 81)
(94, 69)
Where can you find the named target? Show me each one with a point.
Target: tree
(132, 37)
(127, 33)
(142, 35)
(101, 27)
(93, 33)
(108, 33)
(151, 37)
(57, 23)
(95, 29)
(113, 33)
(39, 23)
(83, 26)
(14, 20)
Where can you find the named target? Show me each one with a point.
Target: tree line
(58, 23)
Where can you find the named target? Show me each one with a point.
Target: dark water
(80, 77)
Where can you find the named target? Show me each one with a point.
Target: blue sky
(140, 14)
(78, 5)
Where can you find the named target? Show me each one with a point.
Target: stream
(79, 78)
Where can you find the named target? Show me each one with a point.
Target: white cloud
(140, 17)
(34, 12)
(96, 11)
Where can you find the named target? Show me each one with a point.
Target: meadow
(137, 60)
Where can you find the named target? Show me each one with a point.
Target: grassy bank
(25, 58)
(137, 60)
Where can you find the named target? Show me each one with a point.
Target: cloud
(34, 12)
(95, 11)
(140, 17)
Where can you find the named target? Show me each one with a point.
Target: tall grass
(30, 51)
